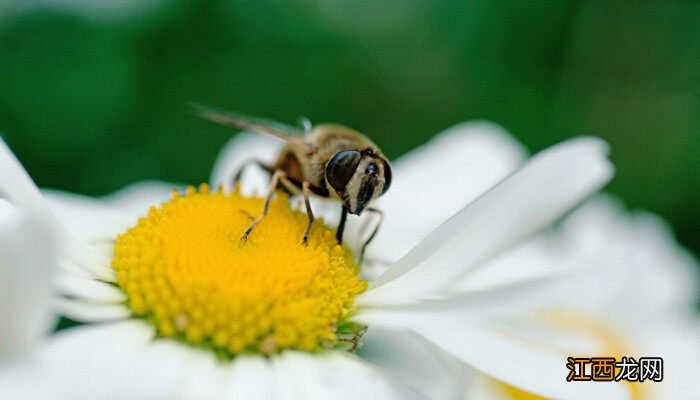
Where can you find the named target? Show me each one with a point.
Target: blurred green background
(93, 93)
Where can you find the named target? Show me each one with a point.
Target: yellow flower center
(186, 270)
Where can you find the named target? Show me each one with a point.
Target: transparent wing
(282, 131)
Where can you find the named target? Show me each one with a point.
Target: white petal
(86, 340)
(90, 312)
(123, 360)
(86, 288)
(88, 219)
(413, 362)
(517, 362)
(434, 181)
(17, 187)
(85, 258)
(22, 379)
(136, 199)
(250, 377)
(331, 375)
(244, 147)
(204, 377)
(172, 363)
(111, 361)
(676, 341)
(115, 361)
(639, 256)
(26, 269)
(7, 210)
(630, 261)
(506, 300)
(550, 184)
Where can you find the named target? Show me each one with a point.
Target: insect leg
(374, 232)
(246, 164)
(355, 340)
(309, 212)
(341, 225)
(279, 174)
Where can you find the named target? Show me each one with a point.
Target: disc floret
(185, 270)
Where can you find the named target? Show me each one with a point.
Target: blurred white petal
(92, 220)
(533, 367)
(244, 147)
(136, 199)
(550, 184)
(634, 291)
(88, 289)
(18, 380)
(89, 220)
(113, 361)
(117, 361)
(635, 247)
(676, 340)
(81, 310)
(331, 375)
(84, 257)
(204, 377)
(26, 271)
(122, 361)
(250, 377)
(18, 188)
(415, 363)
(646, 289)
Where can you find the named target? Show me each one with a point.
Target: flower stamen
(185, 270)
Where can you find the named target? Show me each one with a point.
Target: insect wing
(282, 131)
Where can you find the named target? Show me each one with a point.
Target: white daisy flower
(170, 316)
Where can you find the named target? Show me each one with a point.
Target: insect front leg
(341, 225)
(307, 191)
(279, 174)
(374, 232)
(239, 173)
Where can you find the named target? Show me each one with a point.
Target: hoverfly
(329, 161)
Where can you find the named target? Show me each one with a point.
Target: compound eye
(341, 168)
(387, 177)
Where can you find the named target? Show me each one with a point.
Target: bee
(328, 161)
